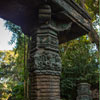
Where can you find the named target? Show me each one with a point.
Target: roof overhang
(25, 14)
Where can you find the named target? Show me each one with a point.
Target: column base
(45, 87)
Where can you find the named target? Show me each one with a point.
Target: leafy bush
(79, 64)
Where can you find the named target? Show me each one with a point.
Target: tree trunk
(94, 37)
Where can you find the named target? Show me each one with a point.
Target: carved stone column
(45, 62)
(84, 92)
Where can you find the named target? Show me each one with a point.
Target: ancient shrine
(48, 23)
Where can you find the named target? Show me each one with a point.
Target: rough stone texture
(44, 53)
(95, 94)
(44, 62)
(44, 87)
(84, 92)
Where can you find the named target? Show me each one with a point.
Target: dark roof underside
(25, 14)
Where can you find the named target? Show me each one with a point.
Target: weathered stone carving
(84, 92)
(44, 52)
(84, 97)
(46, 62)
(44, 13)
(84, 89)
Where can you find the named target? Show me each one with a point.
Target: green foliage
(18, 92)
(21, 50)
(80, 64)
(92, 7)
(11, 80)
(7, 73)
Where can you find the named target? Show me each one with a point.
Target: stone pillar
(84, 92)
(45, 62)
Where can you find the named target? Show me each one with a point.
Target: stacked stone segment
(45, 87)
(44, 62)
(84, 92)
